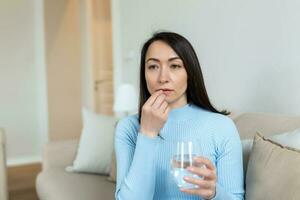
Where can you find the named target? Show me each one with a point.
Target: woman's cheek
(150, 89)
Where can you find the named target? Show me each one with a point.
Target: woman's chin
(170, 100)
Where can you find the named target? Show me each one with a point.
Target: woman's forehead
(161, 51)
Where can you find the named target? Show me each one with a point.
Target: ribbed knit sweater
(143, 163)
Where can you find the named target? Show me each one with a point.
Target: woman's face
(164, 70)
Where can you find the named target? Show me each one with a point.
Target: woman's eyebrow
(174, 58)
(157, 60)
(154, 59)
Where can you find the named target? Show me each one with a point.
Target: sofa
(54, 183)
(3, 178)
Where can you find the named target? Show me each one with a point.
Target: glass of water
(182, 159)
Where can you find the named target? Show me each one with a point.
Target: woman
(174, 105)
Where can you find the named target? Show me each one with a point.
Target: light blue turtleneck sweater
(143, 163)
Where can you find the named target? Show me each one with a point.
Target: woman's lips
(167, 92)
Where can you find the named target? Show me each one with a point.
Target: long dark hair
(196, 92)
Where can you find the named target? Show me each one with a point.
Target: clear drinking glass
(183, 158)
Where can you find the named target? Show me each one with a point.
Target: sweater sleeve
(135, 154)
(229, 164)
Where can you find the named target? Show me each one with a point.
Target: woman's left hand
(207, 185)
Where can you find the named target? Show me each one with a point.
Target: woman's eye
(175, 66)
(152, 66)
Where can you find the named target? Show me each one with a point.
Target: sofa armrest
(3, 178)
(59, 153)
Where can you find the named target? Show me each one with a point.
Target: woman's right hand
(154, 114)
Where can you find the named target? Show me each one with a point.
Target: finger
(163, 106)
(200, 182)
(206, 193)
(194, 191)
(202, 160)
(158, 101)
(206, 173)
(152, 98)
(167, 110)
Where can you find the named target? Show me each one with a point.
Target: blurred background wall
(248, 51)
(40, 75)
(23, 99)
(63, 63)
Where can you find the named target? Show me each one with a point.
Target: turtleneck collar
(181, 113)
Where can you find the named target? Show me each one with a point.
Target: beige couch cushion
(59, 153)
(290, 139)
(56, 184)
(273, 171)
(269, 124)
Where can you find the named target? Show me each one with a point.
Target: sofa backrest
(267, 124)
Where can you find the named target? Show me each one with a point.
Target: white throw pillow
(95, 145)
(288, 139)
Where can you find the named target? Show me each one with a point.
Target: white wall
(87, 76)
(63, 60)
(23, 111)
(248, 50)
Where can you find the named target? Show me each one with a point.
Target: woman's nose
(164, 75)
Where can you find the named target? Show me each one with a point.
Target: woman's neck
(178, 103)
